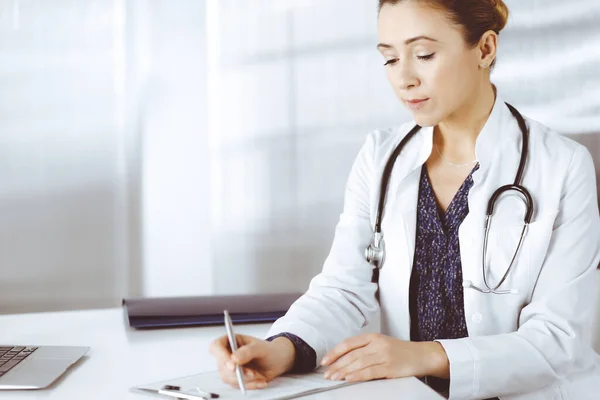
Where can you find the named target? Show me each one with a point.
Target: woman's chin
(425, 120)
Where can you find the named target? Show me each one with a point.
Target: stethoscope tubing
(375, 252)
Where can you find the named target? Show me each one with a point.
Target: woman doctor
(450, 312)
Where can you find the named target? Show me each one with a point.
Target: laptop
(35, 367)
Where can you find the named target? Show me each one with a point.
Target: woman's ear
(488, 45)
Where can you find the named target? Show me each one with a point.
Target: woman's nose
(405, 77)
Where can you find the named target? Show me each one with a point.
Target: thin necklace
(451, 163)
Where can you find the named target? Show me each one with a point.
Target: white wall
(300, 86)
(104, 152)
(173, 147)
(64, 214)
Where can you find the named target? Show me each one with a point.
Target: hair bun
(501, 14)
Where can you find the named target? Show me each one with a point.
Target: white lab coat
(535, 344)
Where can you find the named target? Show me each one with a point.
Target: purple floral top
(436, 291)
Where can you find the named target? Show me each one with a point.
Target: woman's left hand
(375, 356)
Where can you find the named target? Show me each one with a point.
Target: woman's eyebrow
(406, 42)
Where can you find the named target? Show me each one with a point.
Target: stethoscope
(375, 253)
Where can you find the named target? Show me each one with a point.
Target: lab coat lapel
(500, 130)
(399, 229)
(404, 183)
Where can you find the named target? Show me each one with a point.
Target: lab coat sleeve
(553, 338)
(341, 299)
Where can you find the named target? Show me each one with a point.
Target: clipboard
(289, 386)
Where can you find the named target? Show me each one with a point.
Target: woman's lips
(416, 104)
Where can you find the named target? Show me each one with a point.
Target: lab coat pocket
(502, 249)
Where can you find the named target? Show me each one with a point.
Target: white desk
(121, 358)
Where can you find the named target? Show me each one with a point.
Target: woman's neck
(456, 136)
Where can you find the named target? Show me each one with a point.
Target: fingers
(256, 385)
(249, 385)
(243, 340)
(252, 379)
(219, 348)
(368, 374)
(249, 352)
(346, 360)
(248, 373)
(365, 363)
(249, 349)
(345, 347)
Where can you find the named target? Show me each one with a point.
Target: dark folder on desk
(165, 312)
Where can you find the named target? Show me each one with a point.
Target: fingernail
(326, 374)
(325, 361)
(230, 365)
(262, 385)
(250, 373)
(335, 377)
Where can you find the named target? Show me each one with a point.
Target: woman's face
(427, 59)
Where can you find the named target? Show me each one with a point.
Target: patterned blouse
(436, 294)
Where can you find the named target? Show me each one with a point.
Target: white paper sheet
(285, 387)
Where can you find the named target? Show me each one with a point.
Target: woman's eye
(390, 62)
(427, 57)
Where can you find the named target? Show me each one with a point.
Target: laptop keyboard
(10, 356)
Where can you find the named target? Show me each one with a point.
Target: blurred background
(197, 147)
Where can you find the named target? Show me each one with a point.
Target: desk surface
(121, 358)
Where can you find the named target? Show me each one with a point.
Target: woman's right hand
(262, 361)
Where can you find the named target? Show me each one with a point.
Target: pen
(233, 345)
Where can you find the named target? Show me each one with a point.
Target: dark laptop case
(164, 312)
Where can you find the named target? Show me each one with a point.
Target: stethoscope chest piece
(375, 253)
